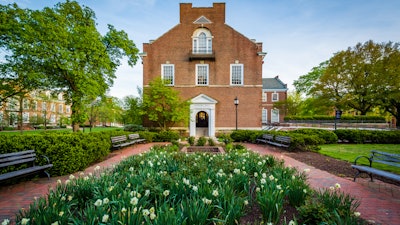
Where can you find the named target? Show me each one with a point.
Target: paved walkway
(380, 202)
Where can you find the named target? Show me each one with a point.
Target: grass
(349, 152)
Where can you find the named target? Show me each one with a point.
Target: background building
(210, 64)
(273, 90)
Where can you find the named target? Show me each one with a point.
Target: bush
(133, 127)
(328, 136)
(201, 141)
(211, 142)
(245, 135)
(368, 136)
(168, 136)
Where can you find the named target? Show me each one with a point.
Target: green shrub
(168, 135)
(245, 135)
(201, 141)
(191, 140)
(133, 127)
(368, 136)
(328, 136)
(225, 138)
(211, 142)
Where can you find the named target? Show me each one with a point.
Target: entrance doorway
(201, 124)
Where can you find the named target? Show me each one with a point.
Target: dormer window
(202, 41)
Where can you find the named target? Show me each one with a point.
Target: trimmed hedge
(354, 119)
(368, 136)
(68, 152)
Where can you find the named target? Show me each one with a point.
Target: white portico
(202, 116)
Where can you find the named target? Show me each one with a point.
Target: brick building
(210, 64)
(273, 90)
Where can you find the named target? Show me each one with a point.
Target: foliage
(201, 141)
(329, 137)
(175, 190)
(245, 135)
(326, 205)
(132, 110)
(306, 82)
(133, 127)
(344, 118)
(368, 136)
(68, 152)
(162, 104)
(211, 142)
(67, 53)
(167, 135)
(224, 138)
(191, 140)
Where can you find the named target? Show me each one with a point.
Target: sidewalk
(380, 202)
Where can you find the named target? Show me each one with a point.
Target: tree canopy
(63, 51)
(359, 78)
(162, 105)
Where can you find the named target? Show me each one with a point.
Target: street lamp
(236, 102)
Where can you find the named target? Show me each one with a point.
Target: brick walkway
(380, 202)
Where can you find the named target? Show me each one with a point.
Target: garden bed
(204, 149)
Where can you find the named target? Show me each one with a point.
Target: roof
(273, 84)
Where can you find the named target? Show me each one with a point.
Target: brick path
(380, 202)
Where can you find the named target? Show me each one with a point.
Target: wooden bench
(280, 141)
(378, 157)
(135, 138)
(19, 158)
(265, 138)
(118, 142)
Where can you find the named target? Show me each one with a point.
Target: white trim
(208, 75)
(241, 74)
(272, 97)
(274, 116)
(173, 73)
(204, 103)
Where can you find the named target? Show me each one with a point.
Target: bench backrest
(133, 136)
(16, 158)
(385, 158)
(121, 138)
(268, 136)
(283, 139)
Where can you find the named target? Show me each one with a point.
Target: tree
(162, 104)
(132, 110)
(306, 82)
(66, 50)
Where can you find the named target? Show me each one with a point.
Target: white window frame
(233, 76)
(275, 97)
(207, 74)
(275, 116)
(60, 108)
(26, 103)
(264, 97)
(52, 107)
(25, 117)
(198, 41)
(170, 77)
(34, 105)
(264, 115)
(44, 106)
(52, 118)
(67, 109)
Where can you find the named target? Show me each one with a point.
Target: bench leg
(47, 173)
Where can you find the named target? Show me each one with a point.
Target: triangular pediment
(202, 20)
(203, 99)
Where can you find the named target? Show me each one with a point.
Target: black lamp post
(236, 102)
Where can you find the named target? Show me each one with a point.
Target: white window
(168, 74)
(202, 41)
(274, 115)
(44, 106)
(25, 117)
(264, 96)
(12, 104)
(275, 97)
(67, 109)
(60, 108)
(53, 118)
(236, 74)
(53, 107)
(60, 96)
(264, 115)
(202, 74)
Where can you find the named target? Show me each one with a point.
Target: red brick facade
(227, 48)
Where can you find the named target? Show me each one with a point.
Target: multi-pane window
(53, 107)
(34, 105)
(275, 97)
(236, 74)
(264, 96)
(67, 109)
(202, 41)
(44, 106)
(274, 115)
(202, 74)
(168, 74)
(60, 108)
(264, 115)
(53, 118)
(25, 117)
(26, 104)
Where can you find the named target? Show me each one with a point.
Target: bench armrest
(47, 158)
(363, 156)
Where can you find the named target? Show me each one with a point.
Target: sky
(296, 34)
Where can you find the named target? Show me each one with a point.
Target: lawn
(349, 152)
(29, 132)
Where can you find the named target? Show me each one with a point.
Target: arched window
(202, 41)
